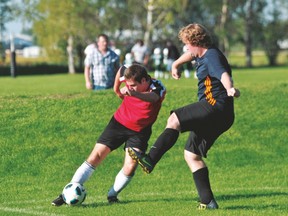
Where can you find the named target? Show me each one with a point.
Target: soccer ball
(74, 194)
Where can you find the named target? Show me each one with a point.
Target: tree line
(64, 28)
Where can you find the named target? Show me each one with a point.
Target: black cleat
(142, 159)
(58, 201)
(113, 199)
(212, 205)
(112, 196)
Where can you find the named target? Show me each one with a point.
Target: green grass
(49, 124)
(237, 58)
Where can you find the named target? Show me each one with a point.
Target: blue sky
(16, 26)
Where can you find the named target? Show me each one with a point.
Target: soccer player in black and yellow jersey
(206, 119)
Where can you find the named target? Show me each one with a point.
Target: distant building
(20, 41)
(283, 44)
(24, 46)
(32, 52)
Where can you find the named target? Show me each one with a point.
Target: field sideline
(49, 125)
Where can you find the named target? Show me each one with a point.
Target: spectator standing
(101, 65)
(172, 54)
(157, 63)
(140, 53)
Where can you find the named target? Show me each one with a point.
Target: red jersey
(137, 114)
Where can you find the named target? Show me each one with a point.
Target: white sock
(121, 181)
(156, 74)
(83, 173)
(187, 73)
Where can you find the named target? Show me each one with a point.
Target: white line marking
(26, 211)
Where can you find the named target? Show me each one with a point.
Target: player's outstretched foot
(212, 205)
(143, 160)
(58, 201)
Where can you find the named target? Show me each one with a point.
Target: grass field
(49, 124)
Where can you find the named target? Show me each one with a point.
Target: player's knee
(129, 170)
(191, 157)
(95, 159)
(173, 122)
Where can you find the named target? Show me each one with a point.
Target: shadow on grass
(38, 69)
(253, 207)
(243, 196)
(101, 204)
(259, 206)
(219, 198)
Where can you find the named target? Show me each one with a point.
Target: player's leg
(139, 141)
(123, 178)
(87, 168)
(97, 155)
(198, 144)
(110, 137)
(164, 142)
(187, 118)
(201, 180)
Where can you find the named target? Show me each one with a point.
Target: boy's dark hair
(104, 36)
(136, 72)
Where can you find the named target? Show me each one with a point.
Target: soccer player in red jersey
(131, 124)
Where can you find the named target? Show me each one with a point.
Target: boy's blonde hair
(196, 35)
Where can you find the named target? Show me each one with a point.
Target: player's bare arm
(117, 85)
(228, 84)
(186, 57)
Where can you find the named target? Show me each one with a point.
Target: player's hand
(126, 91)
(119, 94)
(88, 85)
(233, 92)
(175, 73)
(123, 90)
(129, 92)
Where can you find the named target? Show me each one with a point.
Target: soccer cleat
(112, 196)
(112, 199)
(212, 205)
(58, 201)
(142, 159)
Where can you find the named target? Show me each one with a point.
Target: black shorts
(115, 134)
(205, 123)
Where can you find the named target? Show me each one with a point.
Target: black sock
(164, 142)
(202, 183)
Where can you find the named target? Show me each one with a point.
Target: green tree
(144, 18)
(63, 26)
(5, 16)
(246, 22)
(274, 29)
